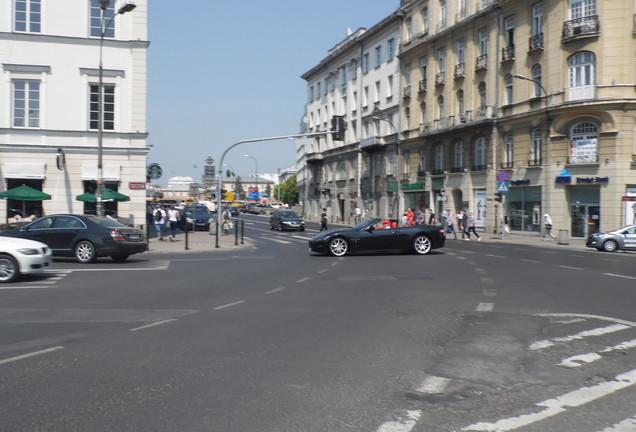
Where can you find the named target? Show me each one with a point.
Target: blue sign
(503, 186)
(503, 176)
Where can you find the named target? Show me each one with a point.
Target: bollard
(185, 227)
(564, 237)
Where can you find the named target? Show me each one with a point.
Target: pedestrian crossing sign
(503, 186)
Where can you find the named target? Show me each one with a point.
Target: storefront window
(523, 208)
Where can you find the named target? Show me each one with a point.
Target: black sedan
(611, 241)
(84, 237)
(286, 220)
(374, 236)
(194, 217)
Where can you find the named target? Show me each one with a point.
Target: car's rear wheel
(85, 252)
(338, 247)
(422, 245)
(119, 258)
(9, 269)
(610, 245)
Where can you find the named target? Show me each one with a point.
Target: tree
(238, 188)
(288, 191)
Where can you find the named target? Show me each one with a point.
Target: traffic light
(338, 127)
(498, 196)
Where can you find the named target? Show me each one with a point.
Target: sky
(220, 72)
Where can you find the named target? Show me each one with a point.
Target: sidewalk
(198, 241)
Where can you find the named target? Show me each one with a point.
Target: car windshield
(105, 222)
(288, 214)
(200, 211)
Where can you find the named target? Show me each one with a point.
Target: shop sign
(564, 177)
(136, 185)
(392, 186)
(520, 182)
(413, 186)
(592, 179)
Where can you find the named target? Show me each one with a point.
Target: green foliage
(288, 191)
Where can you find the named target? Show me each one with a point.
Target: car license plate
(133, 237)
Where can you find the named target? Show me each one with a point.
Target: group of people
(463, 220)
(166, 219)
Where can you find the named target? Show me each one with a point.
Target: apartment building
(360, 80)
(49, 103)
(533, 100)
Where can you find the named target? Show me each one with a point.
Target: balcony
(534, 162)
(583, 159)
(507, 165)
(442, 24)
(461, 15)
(485, 112)
(440, 79)
(371, 142)
(314, 157)
(457, 169)
(460, 70)
(422, 86)
(535, 42)
(407, 91)
(438, 171)
(480, 167)
(508, 53)
(481, 63)
(581, 27)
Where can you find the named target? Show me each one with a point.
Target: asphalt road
(479, 336)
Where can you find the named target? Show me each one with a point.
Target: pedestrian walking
(173, 221)
(323, 221)
(410, 217)
(444, 218)
(159, 216)
(547, 223)
(420, 218)
(464, 225)
(358, 213)
(431, 217)
(471, 226)
(226, 220)
(450, 226)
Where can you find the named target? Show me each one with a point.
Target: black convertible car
(376, 236)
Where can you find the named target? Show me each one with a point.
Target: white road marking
(486, 280)
(485, 307)
(406, 425)
(229, 305)
(579, 360)
(531, 261)
(600, 331)
(33, 354)
(26, 287)
(559, 404)
(570, 268)
(278, 240)
(619, 276)
(495, 256)
(274, 290)
(489, 292)
(322, 271)
(462, 258)
(598, 317)
(627, 425)
(433, 384)
(153, 325)
(302, 280)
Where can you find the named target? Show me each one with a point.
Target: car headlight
(189, 220)
(29, 251)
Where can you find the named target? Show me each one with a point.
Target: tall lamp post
(256, 168)
(127, 7)
(397, 153)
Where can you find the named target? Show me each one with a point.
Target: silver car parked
(611, 241)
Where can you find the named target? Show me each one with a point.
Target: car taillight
(116, 235)
(442, 232)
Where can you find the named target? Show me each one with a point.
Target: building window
(108, 105)
(483, 42)
(390, 159)
(423, 111)
(537, 77)
(439, 159)
(425, 23)
(390, 47)
(28, 16)
(424, 71)
(582, 72)
(584, 144)
(535, 151)
(389, 87)
(441, 107)
(481, 88)
(26, 103)
(508, 156)
(96, 19)
(441, 60)
(459, 157)
(409, 30)
(509, 89)
(461, 51)
(480, 154)
(365, 96)
(582, 8)
(421, 168)
(537, 19)
(443, 14)
(378, 56)
(407, 119)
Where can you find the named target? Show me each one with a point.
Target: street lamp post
(255, 172)
(127, 7)
(397, 154)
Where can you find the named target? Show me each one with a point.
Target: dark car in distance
(286, 220)
(611, 241)
(84, 237)
(194, 217)
(375, 236)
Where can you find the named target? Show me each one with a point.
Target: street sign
(503, 186)
(503, 176)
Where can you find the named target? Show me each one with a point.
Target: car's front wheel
(338, 247)
(85, 252)
(422, 245)
(9, 269)
(610, 246)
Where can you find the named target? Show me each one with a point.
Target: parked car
(376, 236)
(20, 256)
(259, 209)
(611, 241)
(286, 220)
(84, 237)
(195, 217)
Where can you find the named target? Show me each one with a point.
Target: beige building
(534, 99)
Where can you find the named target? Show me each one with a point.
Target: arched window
(537, 76)
(582, 75)
(440, 107)
(439, 159)
(459, 156)
(537, 144)
(480, 154)
(584, 143)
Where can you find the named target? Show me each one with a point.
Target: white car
(21, 256)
